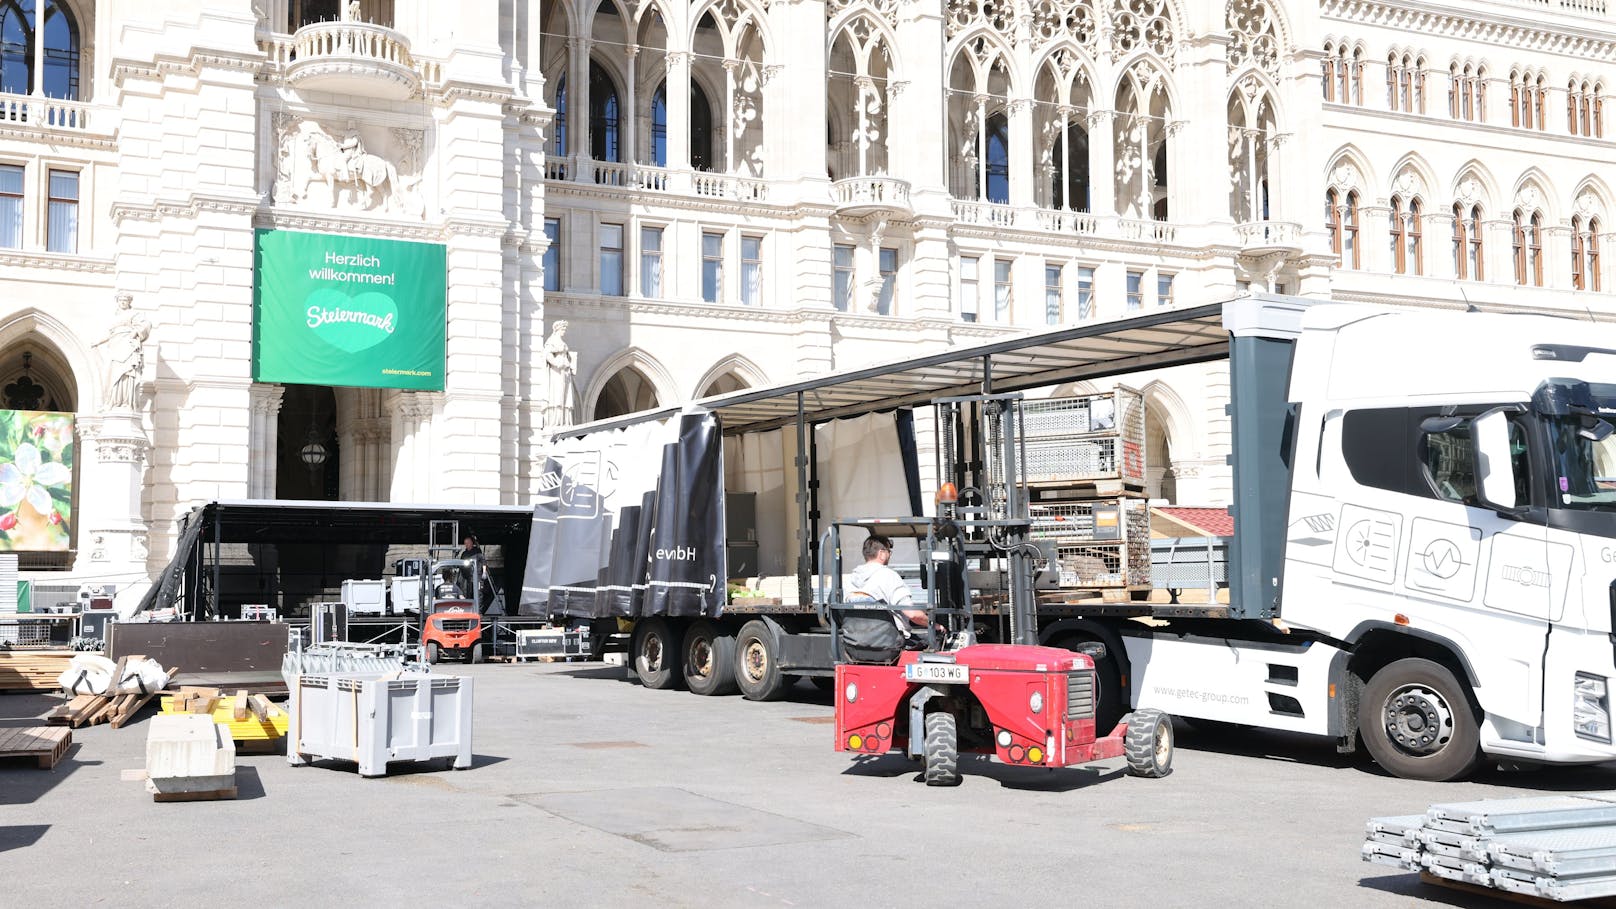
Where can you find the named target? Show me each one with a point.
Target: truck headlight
(1036, 702)
(1590, 709)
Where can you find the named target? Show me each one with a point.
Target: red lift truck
(1025, 704)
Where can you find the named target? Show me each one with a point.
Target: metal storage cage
(1089, 438)
(1100, 544)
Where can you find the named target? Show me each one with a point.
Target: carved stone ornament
(352, 168)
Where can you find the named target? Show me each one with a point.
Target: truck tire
(709, 659)
(1149, 744)
(757, 663)
(433, 652)
(942, 750)
(478, 654)
(656, 653)
(1418, 722)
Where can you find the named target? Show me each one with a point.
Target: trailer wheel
(757, 663)
(656, 653)
(433, 652)
(709, 662)
(1417, 721)
(478, 655)
(942, 749)
(1149, 744)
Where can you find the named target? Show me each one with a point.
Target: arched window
(1342, 214)
(560, 123)
(1577, 278)
(701, 128)
(20, 73)
(1071, 178)
(1405, 236)
(997, 157)
(1528, 243)
(1593, 254)
(603, 119)
(1467, 247)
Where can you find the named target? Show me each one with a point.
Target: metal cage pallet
(1098, 437)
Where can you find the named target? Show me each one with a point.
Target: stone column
(263, 446)
(412, 440)
(1102, 164)
(112, 528)
(1023, 140)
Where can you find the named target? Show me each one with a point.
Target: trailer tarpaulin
(630, 522)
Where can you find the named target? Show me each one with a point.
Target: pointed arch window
(1468, 263)
(1578, 280)
(1528, 247)
(603, 115)
(997, 159)
(1593, 254)
(1342, 214)
(1071, 173)
(35, 60)
(701, 127)
(1405, 236)
(559, 124)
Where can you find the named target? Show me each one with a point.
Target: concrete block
(189, 753)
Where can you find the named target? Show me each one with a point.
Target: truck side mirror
(1495, 470)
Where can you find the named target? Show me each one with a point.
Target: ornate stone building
(725, 193)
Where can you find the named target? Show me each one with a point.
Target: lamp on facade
(313, 452)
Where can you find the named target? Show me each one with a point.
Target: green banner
(36, 481)
(356, 311)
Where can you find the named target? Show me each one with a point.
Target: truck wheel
(478, 655)
(709, 662)
(433, 651)
(757, 663)
(1417, 722)
(656, 653)
(1149, 744)
(942, 750)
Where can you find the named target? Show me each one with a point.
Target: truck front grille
(1080, 695)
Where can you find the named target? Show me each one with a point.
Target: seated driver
(880, 637)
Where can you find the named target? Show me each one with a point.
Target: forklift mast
(981, 452)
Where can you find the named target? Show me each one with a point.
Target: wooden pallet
(46, 744)
(210, 795)
(32, 670)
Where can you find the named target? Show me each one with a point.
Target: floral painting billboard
(36, 481)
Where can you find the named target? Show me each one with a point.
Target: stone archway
(627, 391)
(308, 459)
(37, 387)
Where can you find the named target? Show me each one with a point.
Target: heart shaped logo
(353, 323)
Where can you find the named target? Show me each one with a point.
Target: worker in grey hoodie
(877, 636)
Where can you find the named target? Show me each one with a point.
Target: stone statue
(561, 365)
(352, 7)
(126, 355)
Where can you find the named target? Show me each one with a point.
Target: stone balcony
(352, 58)
(45, 114)
(856, 196)
(1265, 238)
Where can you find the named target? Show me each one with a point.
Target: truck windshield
(1585, 468)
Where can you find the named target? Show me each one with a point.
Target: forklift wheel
(432, 652)
(1149, 744)
(478, 655)
(942, 750)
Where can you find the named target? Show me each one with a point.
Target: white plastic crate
(374, 719)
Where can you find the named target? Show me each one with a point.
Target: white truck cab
(1430, 520)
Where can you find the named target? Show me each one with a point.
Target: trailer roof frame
(1093, 350)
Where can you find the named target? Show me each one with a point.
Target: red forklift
(944, 692)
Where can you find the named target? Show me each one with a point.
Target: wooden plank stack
(44, 743)
(115, 709)
(32, 670)
(254, 723)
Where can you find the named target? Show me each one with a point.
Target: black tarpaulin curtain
(630, 523)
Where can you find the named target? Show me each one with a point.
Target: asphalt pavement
(590, 789)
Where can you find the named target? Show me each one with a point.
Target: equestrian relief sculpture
(315, 168)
